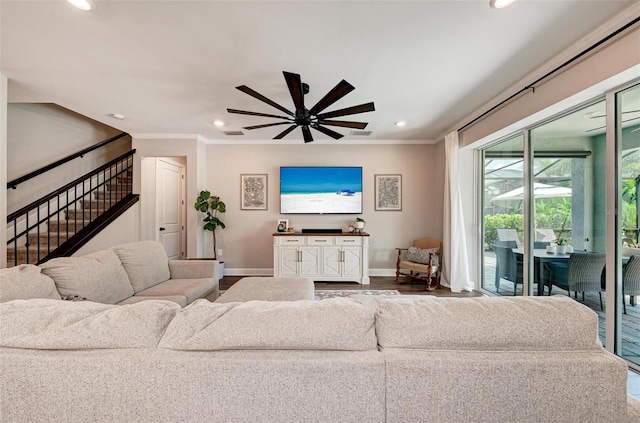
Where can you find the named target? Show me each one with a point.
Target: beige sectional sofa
(123, 274)
(335, 360)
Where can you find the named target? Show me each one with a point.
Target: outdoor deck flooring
(630, 321)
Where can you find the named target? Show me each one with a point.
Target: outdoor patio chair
(631, 279)
(581, 273)
(628, 251)
(421, 262)
(509, 235)
(547, 235)
(508, 266)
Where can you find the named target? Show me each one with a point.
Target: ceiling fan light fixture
(85, 5)
(218, 123)
(500, 4)
(400, 123)
(307, 118)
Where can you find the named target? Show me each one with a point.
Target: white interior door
(170, 206)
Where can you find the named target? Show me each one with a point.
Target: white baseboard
(247, 272)
(269, 272)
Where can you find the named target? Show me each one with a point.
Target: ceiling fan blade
(244, 112)
(306, 133)
(361, 108)
(344, 124)
(295, 88)
(327, 131)
(285, 132)
(260, 97)
(343, 88)
(266, 125)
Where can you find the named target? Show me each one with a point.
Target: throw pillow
(24, 282)
(419, 255)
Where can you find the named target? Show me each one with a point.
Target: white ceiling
(170, 67)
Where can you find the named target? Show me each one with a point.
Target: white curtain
(455, 269)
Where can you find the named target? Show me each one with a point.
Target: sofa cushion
(181, 300)
(192, 289)
(331, 324)
(24, 282)
(97, 277)
(145, 262)
(62, 325)
(507, 324)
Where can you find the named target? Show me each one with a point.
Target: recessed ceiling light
(82, 4)
(218, 123)
(118, 116)
(499, 4)
(401, 123)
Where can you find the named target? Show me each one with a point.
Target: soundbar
(322, 231)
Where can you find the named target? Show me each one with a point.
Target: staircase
(61, 222)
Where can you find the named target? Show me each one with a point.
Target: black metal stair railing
(53, 222)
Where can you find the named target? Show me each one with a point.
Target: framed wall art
(283, 225)
(388, 195)
(253, 192)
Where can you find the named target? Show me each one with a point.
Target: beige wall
(188, 149)
(40, 134)
(614, 64)
(122, 230)
(247, 242)
(3, 169)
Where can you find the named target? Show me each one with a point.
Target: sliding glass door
(628, 136)
(569, 188)
(503, 217)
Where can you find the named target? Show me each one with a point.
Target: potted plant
(562, 245)
(562, 242)
(211, 205)
(359, 225)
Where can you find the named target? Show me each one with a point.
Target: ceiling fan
(308, 118)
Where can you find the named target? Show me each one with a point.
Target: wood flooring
(377, 282)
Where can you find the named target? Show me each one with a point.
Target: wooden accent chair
(421, 262)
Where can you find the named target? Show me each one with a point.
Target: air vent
(233, 132)
(360, 133)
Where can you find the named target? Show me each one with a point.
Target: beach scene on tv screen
(321, 190)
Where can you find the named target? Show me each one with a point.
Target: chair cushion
(145, 262)
(25, 282)
(96, 277)
(417, 267)
(421, 255)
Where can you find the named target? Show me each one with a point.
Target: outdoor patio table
(541, 257)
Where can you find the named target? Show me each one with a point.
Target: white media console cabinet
(322, 257)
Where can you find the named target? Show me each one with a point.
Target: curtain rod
(548, 74)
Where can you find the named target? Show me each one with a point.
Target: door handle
(162, 229)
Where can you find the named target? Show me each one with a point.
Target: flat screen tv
(320, 190)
